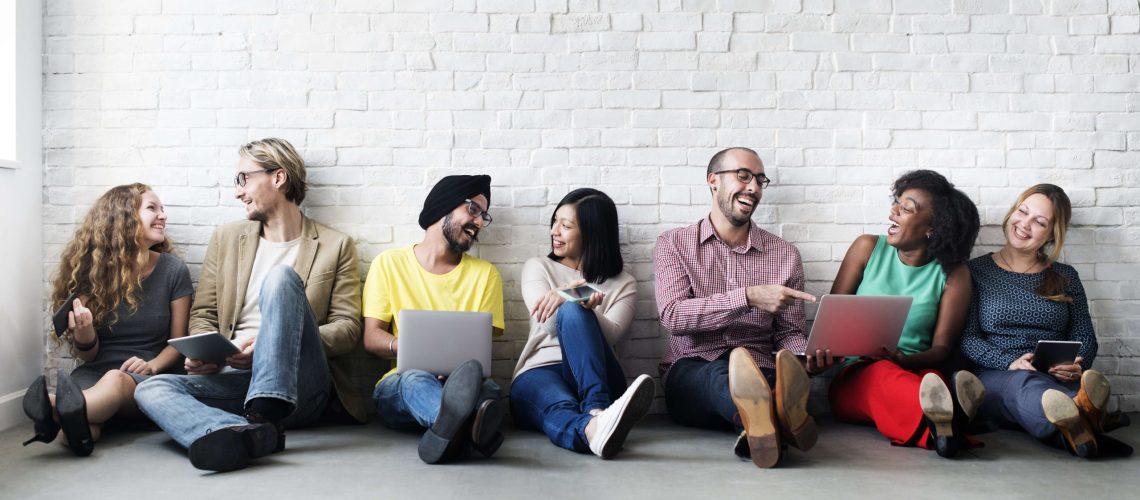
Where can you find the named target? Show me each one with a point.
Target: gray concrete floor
(660, 460)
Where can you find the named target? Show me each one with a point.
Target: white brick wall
(839, 97)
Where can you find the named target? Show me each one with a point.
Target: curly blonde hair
(106, 258)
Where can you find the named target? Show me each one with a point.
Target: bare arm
(850, 273)
(378, 340)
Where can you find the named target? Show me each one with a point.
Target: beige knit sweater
(615, 313)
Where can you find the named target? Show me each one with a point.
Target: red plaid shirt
(700, 285)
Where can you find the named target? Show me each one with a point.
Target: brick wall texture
(384, 97)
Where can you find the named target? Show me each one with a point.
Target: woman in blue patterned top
(1021, 295)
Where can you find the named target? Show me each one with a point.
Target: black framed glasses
(745, 176)
(242, 177)
(474, 210)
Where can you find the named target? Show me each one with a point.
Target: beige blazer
(326, 263)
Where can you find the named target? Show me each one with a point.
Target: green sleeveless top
(885, 274)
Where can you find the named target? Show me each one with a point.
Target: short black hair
(714, 162)
(598, 224)
(954, 224)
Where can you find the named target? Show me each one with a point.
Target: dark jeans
(1013, 400)
(696, 393)
(557, 398)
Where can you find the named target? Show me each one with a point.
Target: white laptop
(439, 341)
(858, 325)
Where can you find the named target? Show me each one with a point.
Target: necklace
(1010, 266)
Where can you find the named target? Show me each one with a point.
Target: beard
(454, 233)
(727, 205)
(257, 216)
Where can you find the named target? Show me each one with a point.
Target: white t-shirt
(269, 255)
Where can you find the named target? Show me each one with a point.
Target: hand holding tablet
(211, 347)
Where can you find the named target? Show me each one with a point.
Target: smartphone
(579, 293)
(59, 319)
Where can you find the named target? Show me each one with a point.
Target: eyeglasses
(474, 210)
(241, 177)
(745, 176)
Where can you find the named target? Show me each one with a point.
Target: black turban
(450, 192)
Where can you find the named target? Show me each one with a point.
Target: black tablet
(59, 319)
(210, 347)
(1054, 352)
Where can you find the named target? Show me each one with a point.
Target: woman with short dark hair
(568, 383)
(923, 255)
(1022, 295)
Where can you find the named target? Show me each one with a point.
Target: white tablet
(858, 325)
(210, 347)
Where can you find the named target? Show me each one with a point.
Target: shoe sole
(753, 399)
(971, 393)
(485, 435)
(1092, 398)
(935, 400)
(793, 388)
(72, 408)
(458, 401)
(1062, 412)
(230, 449)
(37, 406)
(640, 399)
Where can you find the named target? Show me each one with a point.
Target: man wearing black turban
(437, 274)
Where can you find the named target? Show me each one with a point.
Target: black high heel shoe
(72, 407)
(37, 406)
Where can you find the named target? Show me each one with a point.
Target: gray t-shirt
(145, 332)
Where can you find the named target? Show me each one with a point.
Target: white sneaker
(614, 424)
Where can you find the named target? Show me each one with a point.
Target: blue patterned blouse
(1007, 317)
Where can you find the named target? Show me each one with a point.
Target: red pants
(886, 395)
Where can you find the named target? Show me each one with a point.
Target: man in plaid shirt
(730, 294)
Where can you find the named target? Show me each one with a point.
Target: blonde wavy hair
(1053, 284)
(106, 258)
(271, 154)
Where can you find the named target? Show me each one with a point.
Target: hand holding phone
(580, 293)
(59, 319)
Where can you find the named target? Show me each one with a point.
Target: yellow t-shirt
(396, 281)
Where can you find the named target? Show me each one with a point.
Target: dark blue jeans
(696, 393)
(1013, 399)
(557, 398)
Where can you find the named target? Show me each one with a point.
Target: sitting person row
(729, 293)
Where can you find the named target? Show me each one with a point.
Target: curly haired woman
(131, 295)
(923, 255)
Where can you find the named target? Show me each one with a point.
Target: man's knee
(154, 387)
(279, 278)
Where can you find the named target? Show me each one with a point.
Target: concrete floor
(661, 460)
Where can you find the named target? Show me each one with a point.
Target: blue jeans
(410, 400)
(1013, 400)
(696, 393)
(557, 398)
(288, 364)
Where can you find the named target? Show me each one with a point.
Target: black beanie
(449, 192)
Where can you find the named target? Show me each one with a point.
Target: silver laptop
(439, 341)
(857, 325)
